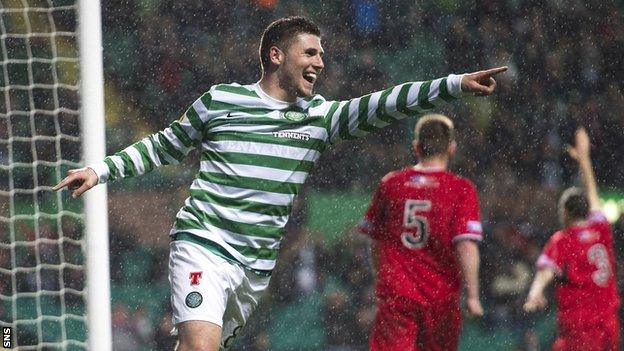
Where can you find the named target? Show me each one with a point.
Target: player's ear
(416, 147)
(276, 56)
(452, 148)
(563, 217)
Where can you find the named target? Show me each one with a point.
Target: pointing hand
(78, 180)
(481, 83)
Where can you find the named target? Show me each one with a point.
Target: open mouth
(310, 77)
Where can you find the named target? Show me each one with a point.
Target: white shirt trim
(467, 236)
(273, 100)
(543, 261)
(422, 168)
(101, 169)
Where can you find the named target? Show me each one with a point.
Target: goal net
(43, 235)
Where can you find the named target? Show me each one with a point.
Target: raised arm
(357, 117)
(168, 146)
(581, 153)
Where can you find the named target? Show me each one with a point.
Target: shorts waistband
(217, 250)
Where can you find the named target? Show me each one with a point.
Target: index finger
(63, 183)
(494, 71)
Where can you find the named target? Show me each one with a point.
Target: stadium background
(566, 62)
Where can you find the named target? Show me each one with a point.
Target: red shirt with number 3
(582, 256)
(415, 217)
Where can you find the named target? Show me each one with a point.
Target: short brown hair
(280, 33)
(434, 133)
(575, 203)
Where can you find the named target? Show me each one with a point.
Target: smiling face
(300, 65)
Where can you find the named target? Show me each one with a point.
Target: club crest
(193, 299)
(295, 116)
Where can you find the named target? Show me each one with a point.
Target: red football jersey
(582, 255)
(415, 217)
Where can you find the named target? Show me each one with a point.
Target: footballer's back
(591, 254)
(416, 216)
(583, 256)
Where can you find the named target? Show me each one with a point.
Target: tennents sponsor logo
(292, 135)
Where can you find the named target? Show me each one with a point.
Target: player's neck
(269, 83)
(434, 163)
(575, 223)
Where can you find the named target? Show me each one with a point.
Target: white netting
(42, 280)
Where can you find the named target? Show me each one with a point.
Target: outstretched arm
(581, 153)
(168, 146)
(357, 117)
(468, 256)
(536, 299)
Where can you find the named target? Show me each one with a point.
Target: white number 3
(597, 255)
(416, 228)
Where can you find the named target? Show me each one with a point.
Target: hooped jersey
(583, 258)
(256, 153)
(416, 216)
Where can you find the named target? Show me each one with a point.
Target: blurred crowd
(565, 61)
(321, 295)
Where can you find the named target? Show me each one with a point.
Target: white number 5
(416, 228)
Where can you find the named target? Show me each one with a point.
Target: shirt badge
(422, 181)
(295, 116)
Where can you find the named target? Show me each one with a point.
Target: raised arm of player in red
(581, 153)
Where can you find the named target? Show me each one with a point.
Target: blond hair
(434, 133)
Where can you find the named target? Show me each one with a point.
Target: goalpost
(94, 150)
(54, 265)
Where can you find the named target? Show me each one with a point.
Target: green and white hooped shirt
(256, 153)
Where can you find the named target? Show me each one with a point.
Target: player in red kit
(581, 257)
(424, 222)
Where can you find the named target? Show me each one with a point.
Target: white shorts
(207, 287)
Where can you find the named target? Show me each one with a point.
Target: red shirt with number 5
(416, 216)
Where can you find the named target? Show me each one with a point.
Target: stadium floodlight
(54, 270)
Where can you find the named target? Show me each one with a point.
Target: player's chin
(306, 89)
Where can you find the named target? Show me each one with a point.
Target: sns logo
(6, 337)
(195, 277)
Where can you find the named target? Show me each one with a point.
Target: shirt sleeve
(553, 255)
(357, 117)
(467, 225)
(598, 217)
(168, 146)
(372, 223)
